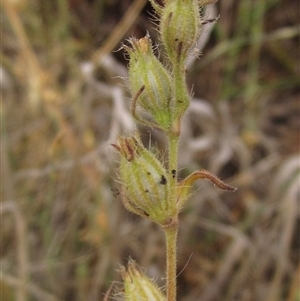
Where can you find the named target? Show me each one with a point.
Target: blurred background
(64, 232)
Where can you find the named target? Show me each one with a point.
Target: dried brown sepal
(134, 106)
(127, 147)
(184, 187)
(207, 21)
(116, 147)
(204, 174)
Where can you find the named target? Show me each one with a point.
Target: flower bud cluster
(148, 189)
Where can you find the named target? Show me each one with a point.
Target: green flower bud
(150, 83)
(145, 186)
(138, 287)
(180, 28)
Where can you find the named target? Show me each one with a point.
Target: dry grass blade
(22, 252)
(287, 181)
(116, 36)
(35, 291)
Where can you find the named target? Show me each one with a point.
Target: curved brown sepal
(184, 187)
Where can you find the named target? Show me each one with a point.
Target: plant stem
(171, 230)
(173, 152)
(171, 250)
(180, 91)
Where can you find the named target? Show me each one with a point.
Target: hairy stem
(171, 230)
(180, 91)
(173, 153)
(171, 251)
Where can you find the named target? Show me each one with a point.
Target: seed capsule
(145, 183)
(150, 83)
(180, 28)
